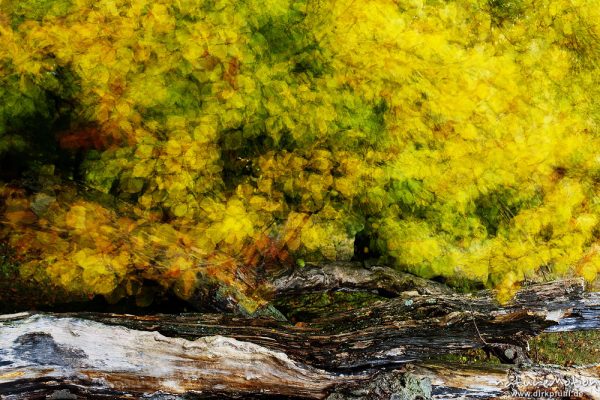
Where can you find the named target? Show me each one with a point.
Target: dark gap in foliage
(365, 247)
(34, 114)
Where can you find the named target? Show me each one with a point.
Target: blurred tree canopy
(459, 139)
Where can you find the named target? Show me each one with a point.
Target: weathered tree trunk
(371, 352)
(353, 275)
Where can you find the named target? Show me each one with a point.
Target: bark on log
(54, 357)
(394, 331)
(383, 348)
(353, 275)
(370, 352)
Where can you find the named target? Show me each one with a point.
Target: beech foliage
(459, 137)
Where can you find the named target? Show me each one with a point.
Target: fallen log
(400, 330)
(54, 357)
(339, 354)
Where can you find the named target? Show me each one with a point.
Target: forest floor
(556, 348)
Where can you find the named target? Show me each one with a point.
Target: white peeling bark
(126, 360)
